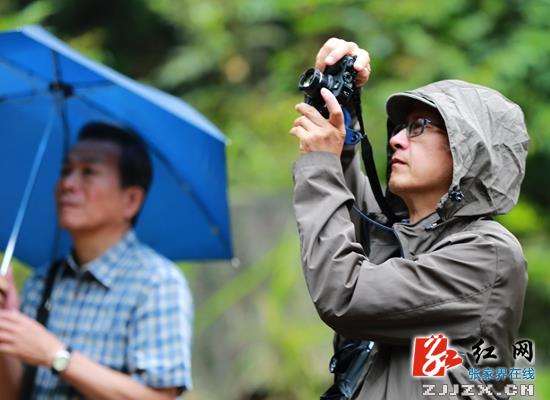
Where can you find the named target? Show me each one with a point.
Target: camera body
(338, 78)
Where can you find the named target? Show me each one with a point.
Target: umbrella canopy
(48, 91)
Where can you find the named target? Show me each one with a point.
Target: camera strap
(352, 136)
(370, 167)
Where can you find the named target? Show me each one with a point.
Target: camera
(338, 78)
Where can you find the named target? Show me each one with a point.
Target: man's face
(88, 193)
(421, 165)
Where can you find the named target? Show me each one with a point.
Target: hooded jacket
(455, 272)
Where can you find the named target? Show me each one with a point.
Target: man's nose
(399, 140)
(69, 181)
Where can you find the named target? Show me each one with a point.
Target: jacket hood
(488, 140)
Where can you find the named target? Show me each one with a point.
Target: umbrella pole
(8, 254)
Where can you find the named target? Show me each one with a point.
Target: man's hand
(27, 340)
(334, 49)
(317, 133)
(8, 293)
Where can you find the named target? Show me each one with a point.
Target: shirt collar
(104, 268)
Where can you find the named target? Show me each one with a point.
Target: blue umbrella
(47, 92)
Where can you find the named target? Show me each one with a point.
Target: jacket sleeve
(444, 291)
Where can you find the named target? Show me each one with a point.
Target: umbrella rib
(22, 96)
(63, 115)
(184, 185)
(56, 68)
(8, 254)
(94, 85)
(25, 74)
(32, 78)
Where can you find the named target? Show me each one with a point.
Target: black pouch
(347, 365)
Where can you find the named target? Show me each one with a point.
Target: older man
(457, 158)
(118, 315)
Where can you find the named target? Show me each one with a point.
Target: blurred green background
(257, 336)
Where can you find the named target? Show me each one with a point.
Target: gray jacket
(455, 272)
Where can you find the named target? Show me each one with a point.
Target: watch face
(61, 360)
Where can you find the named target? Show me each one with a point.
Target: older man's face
(88, 193)
(421, 164)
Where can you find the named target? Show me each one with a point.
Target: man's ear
(133, 199)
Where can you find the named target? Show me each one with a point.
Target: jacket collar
(421, 236)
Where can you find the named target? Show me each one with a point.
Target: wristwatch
(60, 360)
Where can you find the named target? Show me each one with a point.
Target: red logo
(431, 357)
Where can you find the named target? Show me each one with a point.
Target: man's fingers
(362, 66)
(336, 117)
(7, 328)
(340, 51)
(326, 49)
(6, 323)
(7, 286)
(334, 49)
(6, 337)
(363, 76)
(9, 276)
(305, 123)
(362, 60)
(10, 316)
(3, 284)
(8, 348)
(299, 132)
(311, 113)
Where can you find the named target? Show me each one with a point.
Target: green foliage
(260, 319)
(32, 14)
(238, 62)
(525, 220)
(537, 300)
(542, 383)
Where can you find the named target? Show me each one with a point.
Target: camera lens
(312, 81)
(310, 78)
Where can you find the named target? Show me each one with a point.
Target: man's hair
(134, 166)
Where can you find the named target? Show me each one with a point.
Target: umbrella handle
(8, 254)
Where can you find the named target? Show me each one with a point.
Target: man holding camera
(117, 315)
(457, 156)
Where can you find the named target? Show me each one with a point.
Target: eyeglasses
(415, 127)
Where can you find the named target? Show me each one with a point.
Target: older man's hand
(334, 49)
(8, 293)
(314, 131)
(317, 133)
(26, 339)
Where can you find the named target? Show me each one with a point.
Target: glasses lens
(417, 126)
(398, 129)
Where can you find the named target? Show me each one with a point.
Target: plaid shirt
(129, 310)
